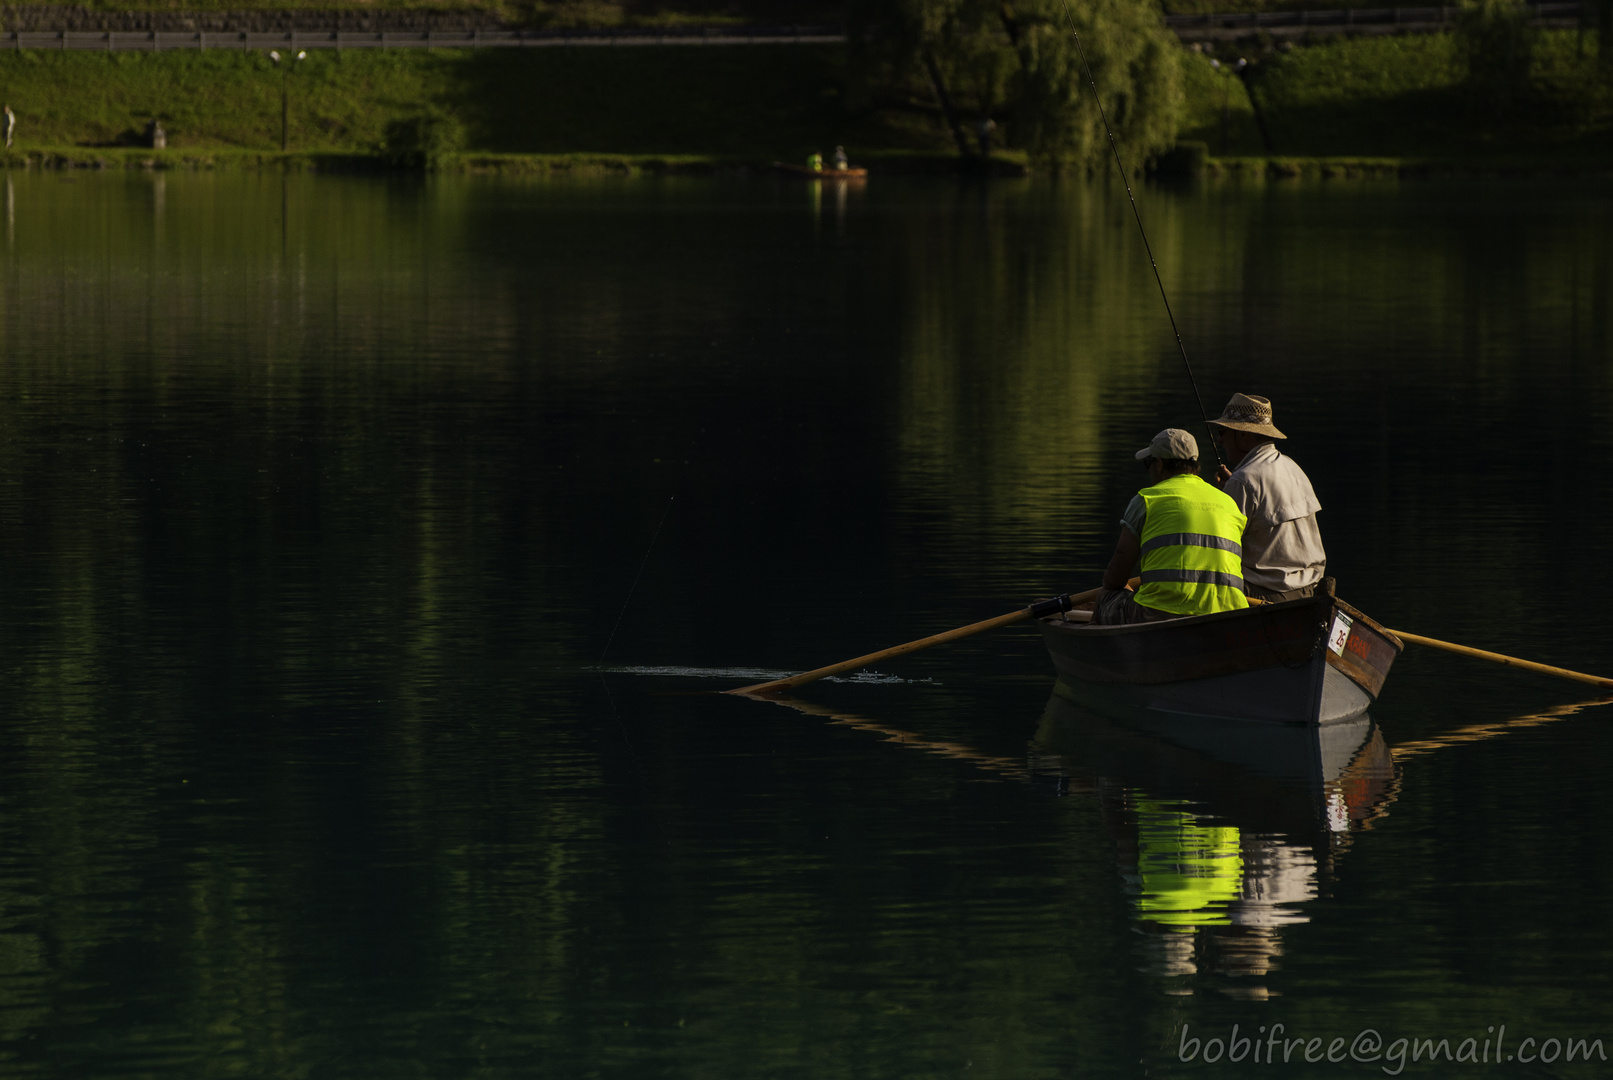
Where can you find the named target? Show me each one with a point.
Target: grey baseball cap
(1172, 444)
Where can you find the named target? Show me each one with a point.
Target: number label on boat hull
(1340, 634)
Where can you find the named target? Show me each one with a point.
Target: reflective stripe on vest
(1192, 549)
(1208, 577)
(1199, 539)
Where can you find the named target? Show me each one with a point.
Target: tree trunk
(1006, 13)
(1254, 104)
(946, 102)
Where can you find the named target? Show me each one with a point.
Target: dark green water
(337, 740)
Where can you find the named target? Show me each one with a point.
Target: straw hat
(1249, 412)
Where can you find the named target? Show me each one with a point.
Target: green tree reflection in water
(323, 495)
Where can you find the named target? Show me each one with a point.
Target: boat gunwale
(1322, 594)
(1377, 627)
(1254, 610)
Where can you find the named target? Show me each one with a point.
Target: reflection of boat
(820, 174)
(1301, 781)
(1316, 660)
(1221, 835)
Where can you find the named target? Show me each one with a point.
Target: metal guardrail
(166, 41)
(1347, 17)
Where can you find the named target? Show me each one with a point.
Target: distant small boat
(820, 174)
(1313, 661)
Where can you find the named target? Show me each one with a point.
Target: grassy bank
(685, 109)
(1352, 167)
(79, 157)
(778, 100)
(886, 162)
(1405, 98)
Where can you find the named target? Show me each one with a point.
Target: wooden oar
(1510, 661)
(1034, 611)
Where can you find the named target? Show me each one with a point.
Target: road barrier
(194, 40)
(1344, 19)
(1186, 27)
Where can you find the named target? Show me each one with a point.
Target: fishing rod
(1135, 213)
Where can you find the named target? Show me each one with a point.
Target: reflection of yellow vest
(1192, 547)
(1189, 872)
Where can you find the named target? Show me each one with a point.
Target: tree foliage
(423, 140)
(1017, 62)
(1600, 15)
(1497, 40)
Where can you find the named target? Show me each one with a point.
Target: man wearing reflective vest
(1188, 536)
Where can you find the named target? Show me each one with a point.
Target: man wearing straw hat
(1186, 535)
(1283, 557)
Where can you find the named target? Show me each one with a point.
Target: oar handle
(1040, 609)
(1056, 605)
(1501, 658)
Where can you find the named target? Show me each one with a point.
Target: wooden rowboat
(820, 174)
(1313, 661)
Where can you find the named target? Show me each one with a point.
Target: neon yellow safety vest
(1192, 547)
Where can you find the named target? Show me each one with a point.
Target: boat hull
(805, 173)
(1314, 661)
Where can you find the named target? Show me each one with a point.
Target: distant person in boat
(815, 162)
(1187, 535)
(1283, 557)
(839, 159)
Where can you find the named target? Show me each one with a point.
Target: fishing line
(1125, 179)
(617, 716)
(634, 587)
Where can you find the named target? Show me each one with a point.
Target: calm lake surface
(370, 546)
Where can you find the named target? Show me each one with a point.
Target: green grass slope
(1369, 97)
(725, 101)
(1408, 97)
(1217, 111)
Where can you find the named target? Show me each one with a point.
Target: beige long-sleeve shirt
(1282, 544)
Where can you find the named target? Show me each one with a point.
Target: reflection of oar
(1013, 768)
(1480, 732)
(1510, 661)
(1035, 611)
